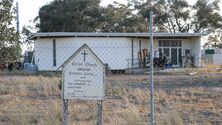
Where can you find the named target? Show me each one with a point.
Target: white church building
(118, 51)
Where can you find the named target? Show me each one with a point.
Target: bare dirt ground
(180, 99)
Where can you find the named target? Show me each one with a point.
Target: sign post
(65, 111)
(83, 78)
(99, 112)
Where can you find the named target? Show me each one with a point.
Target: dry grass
(29, 100)
(180, 99)
(209, 68)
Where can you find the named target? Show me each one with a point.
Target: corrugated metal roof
(99, 34)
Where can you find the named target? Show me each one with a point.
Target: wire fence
(184, 94)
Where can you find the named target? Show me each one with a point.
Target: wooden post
(65, 111)
(99, 112)
(64, 103)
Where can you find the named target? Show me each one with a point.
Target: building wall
(115, 51)
(44, 54)
(215, 58)
(112, 51)
(196, 47)
(186, 44)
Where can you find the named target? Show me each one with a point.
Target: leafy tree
(214, 40)
(26, 32)
(174, 16)
(207, 16)
(179, 16)
(9, 38)
(69, 15)
(88, 16)
(119, 18)
(169, 15)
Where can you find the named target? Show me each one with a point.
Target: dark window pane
(180, 43)
(166, 52)
(160, 43)
(160, 50)
(166, 43)
(187, 52)
(180, 57)
(174, 56)
(174, 43)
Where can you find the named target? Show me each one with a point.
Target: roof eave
(93, 34)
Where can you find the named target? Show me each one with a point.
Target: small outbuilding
(212, 56)
(119, 51)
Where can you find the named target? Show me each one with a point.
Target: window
(172, 49)
(160, 43)
(170, 43)
(187, 52)
(54, 52)
(174, 43)
(166, 51)
(140, 45)
(166, 43)
(180, 43)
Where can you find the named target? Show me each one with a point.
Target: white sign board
(83, 76)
